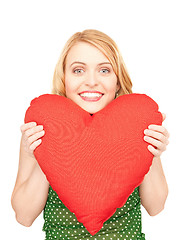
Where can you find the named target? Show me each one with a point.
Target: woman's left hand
(157, 136)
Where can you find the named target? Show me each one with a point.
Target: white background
(152, 38)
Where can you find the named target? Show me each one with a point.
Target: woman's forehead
(86, 53)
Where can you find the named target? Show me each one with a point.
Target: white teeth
(91, 94)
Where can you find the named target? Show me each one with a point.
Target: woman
(90, 72)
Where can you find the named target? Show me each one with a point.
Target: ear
(118, 86)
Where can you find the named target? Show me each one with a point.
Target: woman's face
(89, 78)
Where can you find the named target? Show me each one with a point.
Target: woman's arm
(154, 189)
(31, 188)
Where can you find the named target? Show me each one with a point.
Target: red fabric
(94, 162)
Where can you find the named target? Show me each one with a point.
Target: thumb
(163, 116)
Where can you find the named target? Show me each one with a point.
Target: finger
(163, 116)
(35, 144)
(33, 130)
(26, 126)
(36, 136)
(156, 135)
(159, 128)
(156, 143)
(154, 151)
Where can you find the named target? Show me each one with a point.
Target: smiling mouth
(91, 97)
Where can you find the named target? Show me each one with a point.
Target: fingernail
(145, 131)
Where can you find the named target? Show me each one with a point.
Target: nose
(91, 79)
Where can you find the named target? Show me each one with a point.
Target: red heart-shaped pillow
(94, 162)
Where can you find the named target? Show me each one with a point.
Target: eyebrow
(85, 63)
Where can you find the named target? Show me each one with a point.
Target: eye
(78, 71)
(104, 70)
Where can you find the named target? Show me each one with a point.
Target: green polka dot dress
(61, 224)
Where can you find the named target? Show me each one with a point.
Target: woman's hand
(157, 136)
(31, 137)
(31, 188)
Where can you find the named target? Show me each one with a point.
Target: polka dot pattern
(61, 224)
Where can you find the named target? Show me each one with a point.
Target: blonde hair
(107, 46)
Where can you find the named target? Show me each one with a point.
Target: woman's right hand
(31, 188)
(31, 137)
